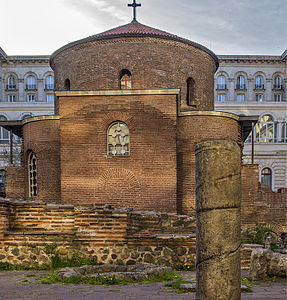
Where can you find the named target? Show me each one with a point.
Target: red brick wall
(190, 131)
(42, 137)
(154, 63)
(15, 182)
(259, 203)
(144, 180)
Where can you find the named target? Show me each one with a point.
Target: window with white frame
(221, 98)
(50, 97)
(11, 98)
(259, 97)
(221, 82)
(266, 177)
(277, 97)
(265, 130)
(32, 174)
(259, 83)
(4, 134)
(11, 83)
(118, 139)
(278, 82)
(31, 98)
(240, 82)
(31, 83)
(49, 82)
(240, 97)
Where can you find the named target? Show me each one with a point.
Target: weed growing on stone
(176, 285)
(247, 283)
(5, 266)
(75, 261)
(50, 248)
(186, 267)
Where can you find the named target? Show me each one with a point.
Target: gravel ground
(27, 285)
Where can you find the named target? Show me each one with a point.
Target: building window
(278, 83)
(67, 85)
(49, 83)
(125, 80)
(259, 97)
(240, 97)
(264, 130)
(11, 83)
(221, 82)
(259, 83)
(118, 139)
(240, 83)
(50, 98)
(31, 98)
(31, 83)
(32, 169)
(277, 97)
(284, 133)
(190, 86)
(4, 134)
(221, 98)
(11, 98)
(2, 183)
(266, 177)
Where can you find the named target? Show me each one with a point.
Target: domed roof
(135, 29)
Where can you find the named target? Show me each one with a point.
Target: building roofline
(44, 58)
(251, 58)
(3, 54)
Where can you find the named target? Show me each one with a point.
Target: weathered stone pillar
(218, 196)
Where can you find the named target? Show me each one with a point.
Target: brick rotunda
(132, 103)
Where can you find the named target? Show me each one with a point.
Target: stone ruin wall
(99, 232)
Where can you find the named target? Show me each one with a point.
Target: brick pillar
(3, 220)
(218, 196)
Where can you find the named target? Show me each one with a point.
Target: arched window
(221, 82)
(264, 130)
(4, 134)
(125, 80)
(259, 83)
(278, 83)
(49, 82)
(32, 174)
(11, 83)
(67, 84)
(118, 139)
(240, 83)
(190, 91)
(266, 177)
(31, 83)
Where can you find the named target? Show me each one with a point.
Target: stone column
(218, 197)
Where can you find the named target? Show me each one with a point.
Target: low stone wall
(32, 233)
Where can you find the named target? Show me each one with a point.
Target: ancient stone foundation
(218, 220)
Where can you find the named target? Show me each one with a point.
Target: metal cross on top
(134, 5)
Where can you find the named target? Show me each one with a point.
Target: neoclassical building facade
(26, 90)
(253, 85)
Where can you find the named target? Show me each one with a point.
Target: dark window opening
(190, 91)
(67, 85)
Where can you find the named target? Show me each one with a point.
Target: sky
(39, 27)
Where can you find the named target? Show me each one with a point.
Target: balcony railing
(259, 86)
(30, 87)
(11, 87)
(277, 87)
(49, 87)
(221, 87)
(241, 86)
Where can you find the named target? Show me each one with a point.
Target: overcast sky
(34, 27)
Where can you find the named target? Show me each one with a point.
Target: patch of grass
(74, 261)
(50, 248)
(176, 286)
(5, 266)
(247, 283)
(31, 275)
(104, 280)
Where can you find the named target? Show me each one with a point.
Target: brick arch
(119, 188)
